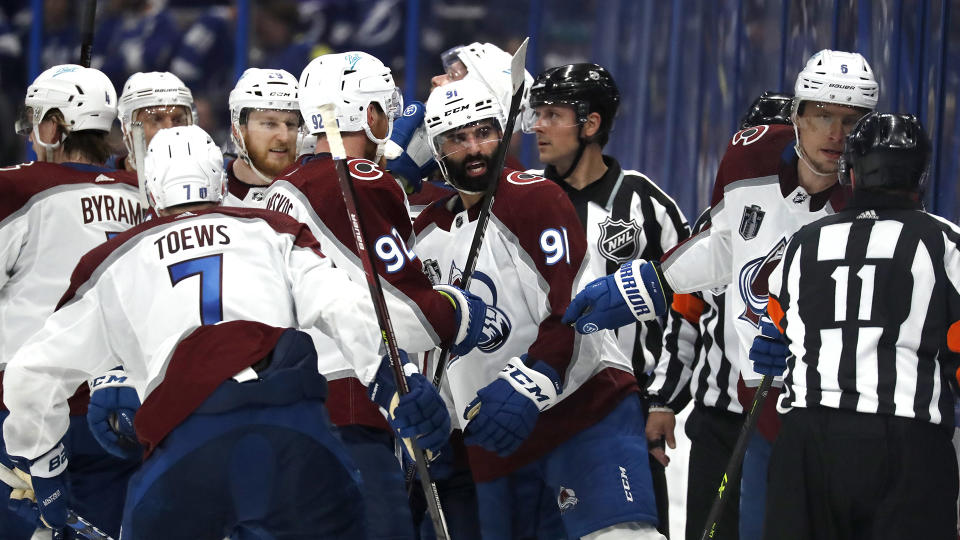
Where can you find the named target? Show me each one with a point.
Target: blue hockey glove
(421, 414)
(470, 314)
(113, 404)
(504, 412)
(45, 503)
(769, 351)
(633, 293)
(408, 153)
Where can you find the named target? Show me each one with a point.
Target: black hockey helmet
(587, 88)
(768, 108)
(888, 151)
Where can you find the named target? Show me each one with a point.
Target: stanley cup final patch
(618, 239)
(750, 222)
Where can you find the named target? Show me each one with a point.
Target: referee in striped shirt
(869, 302)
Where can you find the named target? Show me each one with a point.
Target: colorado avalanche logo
(523, 178)
(754, 288)
(363, 169)
(749, 136)
(618, 239)
(496, 324)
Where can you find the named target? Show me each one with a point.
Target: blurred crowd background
(687, 69)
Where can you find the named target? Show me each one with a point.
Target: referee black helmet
(886, 151)
(587, 88)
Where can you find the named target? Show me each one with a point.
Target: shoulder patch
(364, 169)
(523, 178)
(749, 135)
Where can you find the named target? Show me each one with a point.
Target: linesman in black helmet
(624, 213)
(868, 300)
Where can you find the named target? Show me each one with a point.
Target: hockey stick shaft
(380, 306)
(86, 36)
(732, 473)
(516, 76)
(80, 527)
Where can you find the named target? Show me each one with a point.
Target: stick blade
(518, 66)
(328, 113)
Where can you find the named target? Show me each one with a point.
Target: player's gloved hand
(470, 312)
(408, 153)
(769, 351)
(633, 293)
(420, 414)
(113, 404)
(45, 502)
(504, 412)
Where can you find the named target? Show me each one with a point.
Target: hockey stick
(78, 527)
(516, 81)
(86, 35)
(339, 155)
(736, 459)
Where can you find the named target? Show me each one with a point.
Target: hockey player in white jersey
(51, 213)
(232, 402)
(546, 415)
(159, 100)
(310, 192)
(264, 123)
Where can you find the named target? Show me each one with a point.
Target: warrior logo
(750, 222)
(618, 239)
(754, 288)
(749, 136)
(566, 499)
(496, 324)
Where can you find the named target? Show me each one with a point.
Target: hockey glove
(504, 412)
(45, 503)
(420, 414)
(113, 404)
(633, 293)
(470, 312)
(408, 154)
(769, 351)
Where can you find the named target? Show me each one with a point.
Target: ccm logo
(528, 384)
(626, 484)
(456, 110)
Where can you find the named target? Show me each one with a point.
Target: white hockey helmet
(84, 96)
(451, 107)
(266, 89)
(152, 89)
(183, 166)
(490, 65)
(351, 81)
(837, 77)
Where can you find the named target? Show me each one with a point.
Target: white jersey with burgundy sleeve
(132, 300)
(242, 194)
(532, 259)
(50, 216)
(757, 205)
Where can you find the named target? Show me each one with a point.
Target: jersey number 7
(211, 284)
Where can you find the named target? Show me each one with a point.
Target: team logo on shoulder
(566, 499)
(522, 178)
(750, 222)
(749, 136)
(618, 239)
(754, 284)
(364, 169)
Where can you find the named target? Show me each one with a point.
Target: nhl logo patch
(618, 239)
(750, 222)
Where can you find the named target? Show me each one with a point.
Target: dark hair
(92, 144)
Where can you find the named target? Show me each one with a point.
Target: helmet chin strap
(381, 143)
(48, 148)
(243, 154)
(799, 150)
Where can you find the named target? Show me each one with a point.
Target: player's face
(823, 128)
(161, 117)
(468, 153)
(271, 139)
(557, 133)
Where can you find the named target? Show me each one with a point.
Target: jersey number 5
(211, 284)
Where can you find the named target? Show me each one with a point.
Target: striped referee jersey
(869, 300)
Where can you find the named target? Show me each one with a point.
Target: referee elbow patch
(953, 337)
